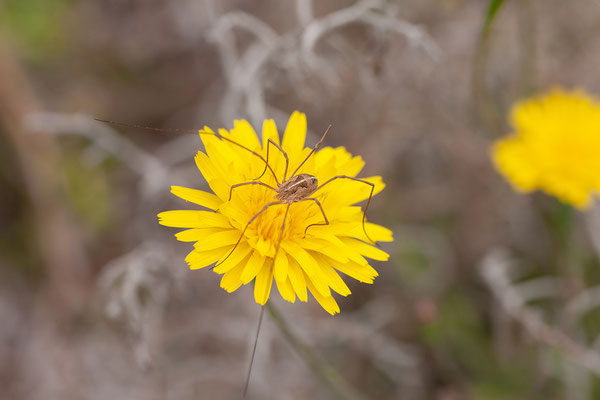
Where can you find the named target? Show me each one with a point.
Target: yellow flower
(308, 258)
(556, 147)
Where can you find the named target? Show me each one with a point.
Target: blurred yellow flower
(555, 147)
(307, 259)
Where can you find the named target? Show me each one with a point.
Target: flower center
(269, 223)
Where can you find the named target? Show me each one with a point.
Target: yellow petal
(342, 192)
(200, 259)
(275, 158)
(305, 260)
(359, 191)
(377, 233)
(295, 134)
(262, 286)
(352, 167)
(231, 280)
(331, 277)
(281, 266)
(237, 217)
(244, 134)
(297, 279)
(195, 234)
(224, 156)
(253, 267)
(362, 273)
(233, 258)
(286, 290)
(193, 219)
(337, 161)
(366, 249)
(201, 234)
(327, 302)
(325, 164)
(211, 143)
(244, 155)
(320, 245)
(269, 132)
(217, 239)
(349, 251)
(264, 247)
(199, 197)
(511, 158)
(296, 158)
(335, 227)
(217, 180)
(320, 283)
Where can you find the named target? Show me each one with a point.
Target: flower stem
(332, 378)
(260, 319)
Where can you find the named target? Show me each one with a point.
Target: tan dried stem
(56, 237)
(496, 275)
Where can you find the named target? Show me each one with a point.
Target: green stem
(485, 107)
(528, 49)
(332, 378)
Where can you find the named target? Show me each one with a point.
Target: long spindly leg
(246, 227)
(322, 212)
(248, 183)
(281, 232)
(317, 147)
(287, 161)
(247, 149)
(368, 201)
(201, 132)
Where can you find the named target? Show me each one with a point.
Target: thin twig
(304, 12)
(244, 73)
(155, 175)
(317, 28)
(592, 223)
(495, 273)
(416, 36)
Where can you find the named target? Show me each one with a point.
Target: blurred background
(488, 294)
